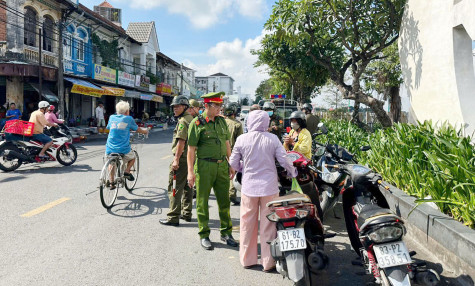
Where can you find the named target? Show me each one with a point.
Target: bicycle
(112, 174)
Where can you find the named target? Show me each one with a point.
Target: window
(80, 49)
(29, 27)
(48, 26)
(67, 46)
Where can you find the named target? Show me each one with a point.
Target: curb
(449, 240)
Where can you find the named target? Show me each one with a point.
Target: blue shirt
(119, 134)
(15, 112)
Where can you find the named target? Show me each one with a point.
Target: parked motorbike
(16, 150)
(298, 248)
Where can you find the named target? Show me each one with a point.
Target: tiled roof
(140, 31)
(219, 74)
(106, 4)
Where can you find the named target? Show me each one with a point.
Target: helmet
(180, 99)
(237, 181)
(51, 107)
(230, 109)
(43, 104)
(307, 106)
(300, 117)
(194, 103)
(268, 105)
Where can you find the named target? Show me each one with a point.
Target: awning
(132, 94)
(115, 91)
(157, 98)
(46, 92)
(84, 87)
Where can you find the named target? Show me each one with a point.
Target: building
(29, 35)
(174, 77)
(215, 83)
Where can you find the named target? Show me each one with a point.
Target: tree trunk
(395, 101)
(378, 108)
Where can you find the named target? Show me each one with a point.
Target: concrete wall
(15, 91)
(435, 48)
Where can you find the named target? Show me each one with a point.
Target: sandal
(129, 176)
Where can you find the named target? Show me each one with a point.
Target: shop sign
(126, 79)
(142, 81)
(164, 89)
(104, 73)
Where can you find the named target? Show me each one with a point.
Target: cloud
(234, 59)
(205, 13)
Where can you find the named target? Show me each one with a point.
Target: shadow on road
(39, 168)
(150, 201)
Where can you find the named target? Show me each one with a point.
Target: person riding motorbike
(51, 116)
(39, 119)
(299, 138)
(275, 124)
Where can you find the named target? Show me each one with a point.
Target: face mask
(270, 113)
(201, 111)
(294, 125)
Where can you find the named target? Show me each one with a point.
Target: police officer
(208, 139)
(235, 129)
(179, 166)
(194, 109)
(275, 124)
(312, 120)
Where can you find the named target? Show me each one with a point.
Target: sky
(209, 36)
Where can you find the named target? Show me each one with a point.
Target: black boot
(229, 240)
(206, 243)
(167, 222)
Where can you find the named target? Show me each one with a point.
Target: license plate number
(392, 254)
(292, 239)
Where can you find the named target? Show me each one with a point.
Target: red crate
(20, 127)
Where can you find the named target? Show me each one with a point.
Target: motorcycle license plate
(392, 254)
(292, 239)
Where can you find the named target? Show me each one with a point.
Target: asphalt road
(73, 240)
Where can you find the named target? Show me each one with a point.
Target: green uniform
(183, 195)
(275, 120)
(235, 129)
(211, 169)
(312, 123)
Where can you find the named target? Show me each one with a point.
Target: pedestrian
(39, 119)
(194, 109)
(181, 198)
(235, 129)
(275, 124)
(208, 140)
(254, 155)
(100, 117)
(251, 109)
(312, 120)
(13, 113)
(299, 138)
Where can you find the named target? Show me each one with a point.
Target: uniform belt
(213, 160)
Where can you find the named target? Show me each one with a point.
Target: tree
(355, 31)
(264, 88)
(333, 97)
(384, 77)
(291, 64)
(245, 101)
(258, 98)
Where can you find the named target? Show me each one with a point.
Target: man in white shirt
(100, 115)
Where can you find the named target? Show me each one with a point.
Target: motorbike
(58, 132)
(298, 248)
(16, 150)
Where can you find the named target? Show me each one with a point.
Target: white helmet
(43, 104)
(237, 181)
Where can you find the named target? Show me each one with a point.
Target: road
(70, 239)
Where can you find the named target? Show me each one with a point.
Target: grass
(436, 165)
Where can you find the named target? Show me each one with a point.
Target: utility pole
(40, 69)
(181, 72)
(60, 79)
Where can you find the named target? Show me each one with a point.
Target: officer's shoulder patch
(181, 126)
(197, 123)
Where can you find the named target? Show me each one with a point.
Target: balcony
(31, 54)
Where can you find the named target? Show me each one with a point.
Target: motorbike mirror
(365, 148)
(322, 128)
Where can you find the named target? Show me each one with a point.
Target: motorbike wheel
(64, 155)
(351, 222)
(7, 164)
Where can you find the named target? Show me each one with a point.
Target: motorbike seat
(373, 214)
(291, 198)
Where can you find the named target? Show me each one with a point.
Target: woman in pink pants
(254, 155)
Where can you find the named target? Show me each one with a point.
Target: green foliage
(153, 78)
(108, 52)
(420, 160)
(384, 73)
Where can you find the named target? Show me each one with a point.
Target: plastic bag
(295, 186)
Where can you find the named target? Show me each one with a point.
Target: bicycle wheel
(109, 185)
(129, 185)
